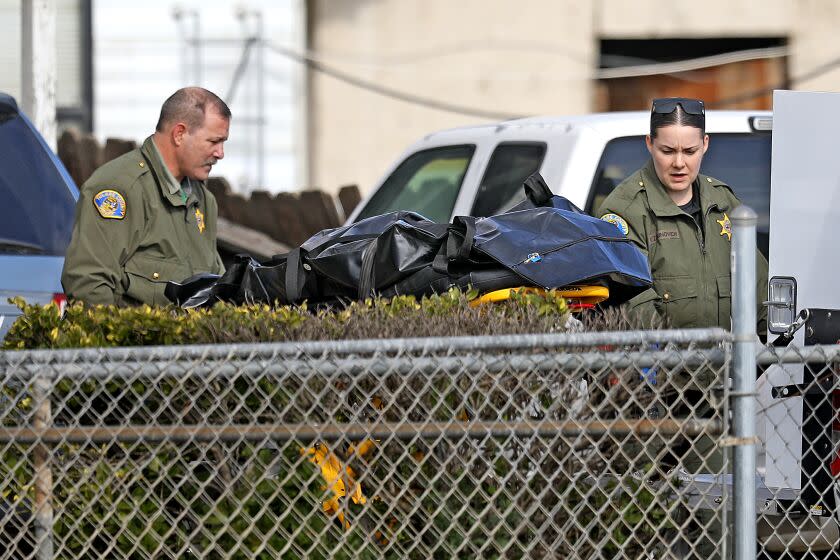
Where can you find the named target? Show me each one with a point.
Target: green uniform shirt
(136, 229)
(690, 262)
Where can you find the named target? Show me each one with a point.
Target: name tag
(665, 234)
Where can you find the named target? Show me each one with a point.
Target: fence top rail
(768, 355)
(303, 367)
(377, 346)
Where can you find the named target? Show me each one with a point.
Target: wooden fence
(289, 218)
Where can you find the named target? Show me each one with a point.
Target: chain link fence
(798, 463)
(563, 446)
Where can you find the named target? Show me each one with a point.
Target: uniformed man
(147, 217)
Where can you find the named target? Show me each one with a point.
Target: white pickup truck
(479, 170)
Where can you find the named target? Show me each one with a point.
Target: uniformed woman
(680, 220)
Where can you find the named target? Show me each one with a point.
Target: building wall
(689, 18)
(525, 57)
(490, 56)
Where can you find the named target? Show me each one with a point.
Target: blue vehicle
(37, 204)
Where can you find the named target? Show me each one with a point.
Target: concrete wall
(650, 19)
(505, 56)
(493, 56)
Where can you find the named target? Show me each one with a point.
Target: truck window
(742, 160)
(426, 182)
(501, 186)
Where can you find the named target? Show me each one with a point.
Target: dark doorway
(744, 84)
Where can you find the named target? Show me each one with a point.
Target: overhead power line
(647, 68)
(691, 64)
(389, 92)
(313, 62)
(809, 75)
(452, 49)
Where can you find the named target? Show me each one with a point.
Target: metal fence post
(42, 420)
(744, 221)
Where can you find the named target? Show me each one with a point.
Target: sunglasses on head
(668, 105)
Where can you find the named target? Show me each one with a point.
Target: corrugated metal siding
(68, 46)
(140, 58)
(68, 41)
(10, 47)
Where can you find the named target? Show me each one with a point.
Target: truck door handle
(797, 390)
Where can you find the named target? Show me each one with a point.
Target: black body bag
(545, 242)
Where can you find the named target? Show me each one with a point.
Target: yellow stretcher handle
(576, 295)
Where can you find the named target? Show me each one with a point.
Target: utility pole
(193, 42)
(257, 35)
(38, 57)
(261, 117)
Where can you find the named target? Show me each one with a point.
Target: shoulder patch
(110, 204)
(617, 221)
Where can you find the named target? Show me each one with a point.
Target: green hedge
(119, 498)
(448, 314)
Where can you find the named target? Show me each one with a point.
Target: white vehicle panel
(803, 239)
(574, 146)
(463, 202)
